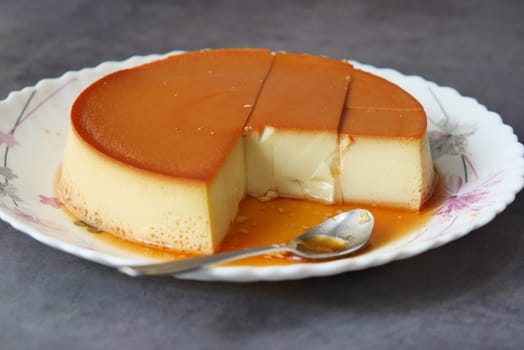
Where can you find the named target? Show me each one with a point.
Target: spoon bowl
(336, 237)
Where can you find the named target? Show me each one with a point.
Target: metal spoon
(336, 237)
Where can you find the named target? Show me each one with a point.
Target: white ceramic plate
(477, 156)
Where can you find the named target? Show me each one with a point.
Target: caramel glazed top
(195, 102)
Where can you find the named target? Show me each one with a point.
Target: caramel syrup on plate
(278, 221)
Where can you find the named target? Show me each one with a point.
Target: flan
(163, 153)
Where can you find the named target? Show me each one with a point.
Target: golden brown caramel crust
(377, 107)
(179, 116)
(370, 91)
(302, 92)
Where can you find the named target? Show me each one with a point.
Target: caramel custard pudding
(169, 153)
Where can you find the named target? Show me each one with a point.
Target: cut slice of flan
(292, 134)
(156, 153)
(384, 151)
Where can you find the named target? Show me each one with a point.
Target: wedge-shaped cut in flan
(155, 153)
(291, 143)
(384, 152)
(164, 152)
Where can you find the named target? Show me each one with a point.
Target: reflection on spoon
(338, 236)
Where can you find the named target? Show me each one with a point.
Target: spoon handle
(176, 266)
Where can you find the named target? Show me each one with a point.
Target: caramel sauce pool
(279, 221)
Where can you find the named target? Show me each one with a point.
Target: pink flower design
(8, 139)
(459, 201)
(25, 215)
(51, 201)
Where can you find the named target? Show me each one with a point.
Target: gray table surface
(467, 294)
